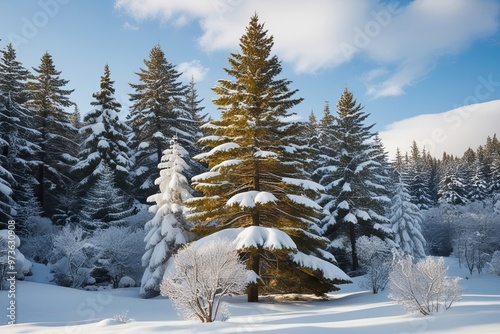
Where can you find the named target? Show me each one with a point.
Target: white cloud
(423, 31)
(193, 69)
(129, 26)
(318, 34)
(453, 131)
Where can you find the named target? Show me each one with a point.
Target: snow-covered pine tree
(416, 179)
(193, 106)
(13, 75)
(495, 173)
(355, 199)
(452, 186)
(7, 204)
(168, 230)
(157, 114)
(432, 171)
(17, 133)
(104, 204)
(48, 99)
(478, 186)
(327, 159)
(255, 193)
(406, 219)
(104, 141)
(308, 137)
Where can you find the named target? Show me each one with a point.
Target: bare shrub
(423, 286)
(201, 276)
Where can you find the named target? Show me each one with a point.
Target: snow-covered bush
(23, 266)
(375, 256)
(494, 264)
(74, 257)
(423, 286)
(37, 244)
(120, 251)
(126, 282)
(201, 276)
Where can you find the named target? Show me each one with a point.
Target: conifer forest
(108, 198)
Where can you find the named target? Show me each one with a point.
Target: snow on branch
(304, 201)
(250, 199)
(222, 147)
(251, 237)
(304, 184)
(330, 271)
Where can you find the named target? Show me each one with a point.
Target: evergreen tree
(13, 75)
(406, 220)
(495, 173)
(311, 132)
(104, 141)
(432, 171)
(255, 187)
(193, 107)
(104, 204)
(48, 99)
(168, 230)
(17, 134)
(478, 186)
(7, 211)
(356, 203)
(417, 184)
(157, 114)
(452, 186)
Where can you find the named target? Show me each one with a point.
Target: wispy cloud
(129, 26)
(406, 40)
(193, 69)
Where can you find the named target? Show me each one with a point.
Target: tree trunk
(354, 253)
(253, 288)
(254, 264)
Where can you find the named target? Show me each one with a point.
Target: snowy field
(46, 308)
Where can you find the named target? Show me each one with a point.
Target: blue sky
(400, 58)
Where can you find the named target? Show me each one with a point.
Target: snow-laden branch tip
(222, 147)
(251, 198)
(330, 271)
(251, 237)
(303, 183)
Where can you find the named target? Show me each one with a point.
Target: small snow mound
(126, 282)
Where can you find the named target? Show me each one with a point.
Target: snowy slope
(44, 308)
(452, 131)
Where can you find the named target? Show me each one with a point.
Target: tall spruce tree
(416, 179)
(157, 114)
(18, 133)
(104, 142)
(13, 75)
(168, 230)
(452, 186)
(48, 98)
(356, 195)
(7, 204)
(192, 105)
(254, 188)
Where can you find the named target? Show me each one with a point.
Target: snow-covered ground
(46, 308)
